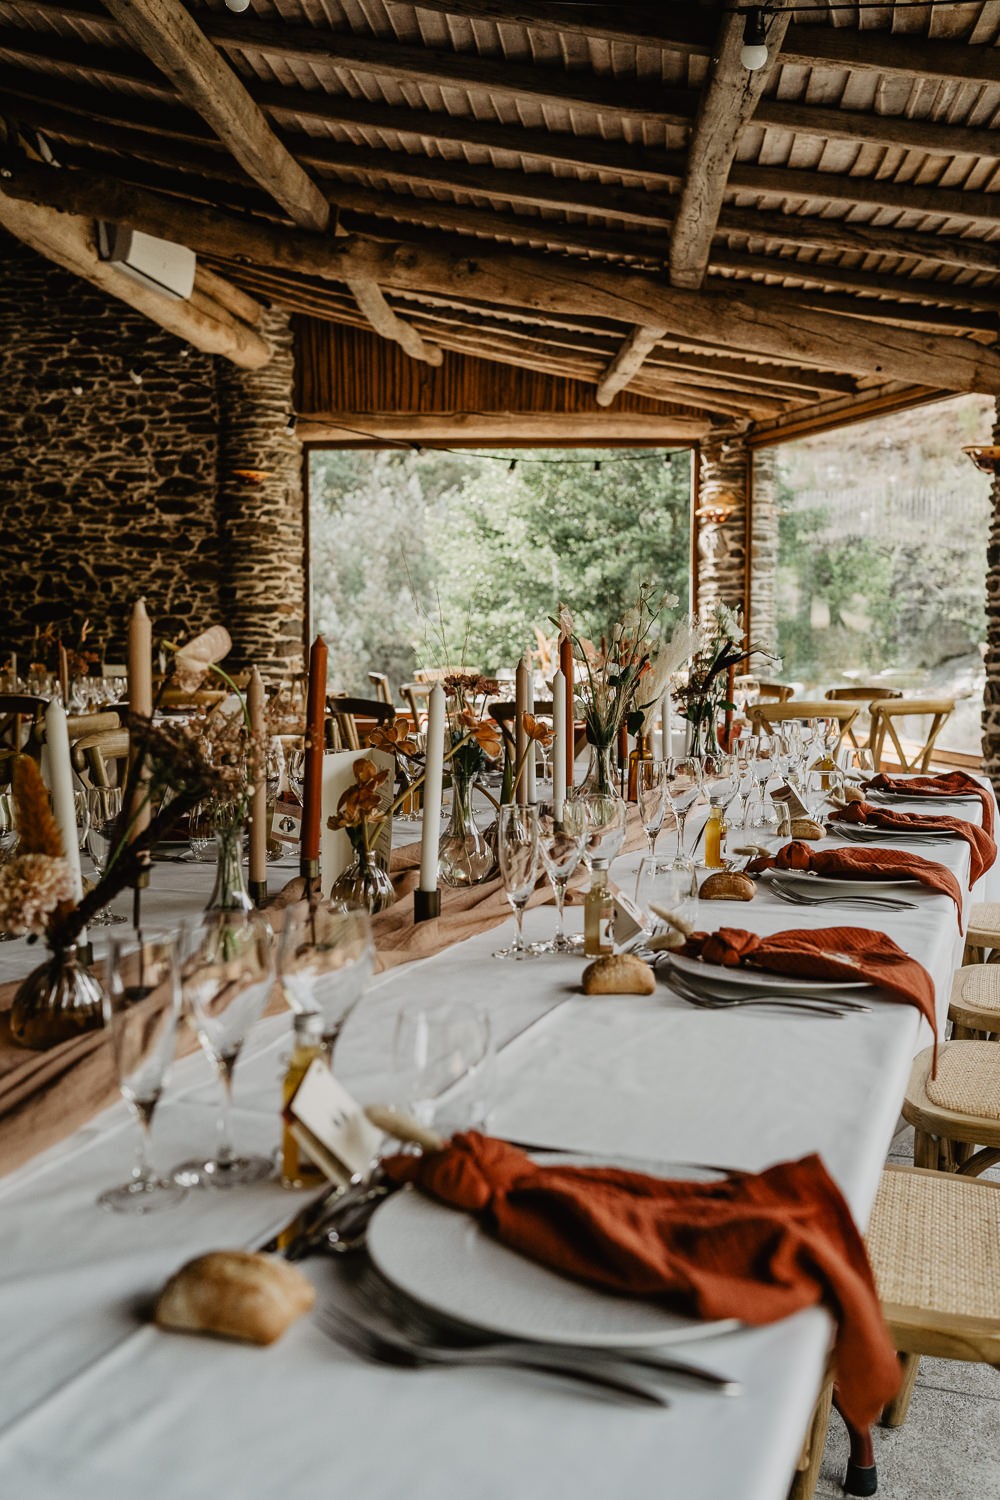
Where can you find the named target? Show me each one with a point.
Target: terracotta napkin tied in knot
(946, 785)
(749, 1246)
(863, 864)
(982, 849)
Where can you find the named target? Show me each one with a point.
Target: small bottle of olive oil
(598, 913)
(297, 1170)
(715, 839)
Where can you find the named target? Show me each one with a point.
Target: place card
(330, 1125)
(627, 918)
(791, 799)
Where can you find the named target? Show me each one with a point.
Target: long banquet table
(95, 1402)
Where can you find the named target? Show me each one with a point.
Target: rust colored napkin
(753, 1247)
(863, 864)
(947, 784)
(850, 953)
(982, 849)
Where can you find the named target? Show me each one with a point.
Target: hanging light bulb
(238, 5)
(754, 53)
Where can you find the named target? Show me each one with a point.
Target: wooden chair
(886, 712)
(101, 759)
(774, 692)
(974, 1006)
(958, 1110)
(438, 674)
(982, 936)
(380, 683)
(860, 694)
(209, 698)
(503, 714)
(22, 717)
(416, 695)
(766, 717)
(345, 713)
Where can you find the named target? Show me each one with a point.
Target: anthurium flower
(537, 729)
(193, 661)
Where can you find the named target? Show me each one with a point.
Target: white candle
(140, 697)
(666, 723)
(529, 767)
(521, 680)
(558, 744)
(61, 786)
(433, 782)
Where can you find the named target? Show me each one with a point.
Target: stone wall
(991, 695)
(764, 551)
(721, 521)
(110, 489)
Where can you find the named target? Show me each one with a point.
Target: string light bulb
(291, 421)
(512, 466)
(238, 6)
(136, 373)
(754, 53)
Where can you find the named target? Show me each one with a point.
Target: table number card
(335, 852)
(330, 1125)
(628, 919)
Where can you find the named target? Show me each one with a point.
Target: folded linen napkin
(982, 849)
(752, 1246)
(863, 864)
(948, 784)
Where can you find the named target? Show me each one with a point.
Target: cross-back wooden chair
(416, 695)
(886, 713)
(209, 698)
(22, 716)
(503, 714)
(438, 674)
(774, 692)
(380, 682)
(766, 717)
(344, 715)
(860, 694)
(101, 759)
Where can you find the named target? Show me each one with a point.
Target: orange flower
(394, 736)
(537, 729)
(367, 773)
(483, 731)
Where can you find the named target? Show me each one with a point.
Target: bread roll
(806, 828)
(727, 885)
(235, 1294)
(618, 974)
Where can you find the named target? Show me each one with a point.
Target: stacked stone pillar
(732, 481)
(260, 507)
(991, 693)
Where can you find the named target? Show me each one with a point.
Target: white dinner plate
(444, 1259)
(836, 885)
(761, 979)
(873, 832)
(885, 795)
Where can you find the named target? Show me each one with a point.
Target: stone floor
(949, 1446)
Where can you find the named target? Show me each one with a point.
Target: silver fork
(799, 898)
(396, 1349)
(714, 1000)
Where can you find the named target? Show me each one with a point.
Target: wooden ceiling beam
(821, 273)
(202, 321)
(866, 127)
(729, 100)
(165, 33)
(595, 429)
(685, 29)
(845, 47)
(841, 187)
(962, 251)
(376, 310)
(759, 324)
(626, 363)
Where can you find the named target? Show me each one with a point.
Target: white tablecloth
(94, 1403)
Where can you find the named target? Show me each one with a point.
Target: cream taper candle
(140, 697)
(521, 681)
(666, 723)
(433, 782)
(61, 787)
(529, 765)
(258, 799)
(558, 744)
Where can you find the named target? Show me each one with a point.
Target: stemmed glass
(666, 887)
(325, 959)
(104, 807)
(295, 769)
(746, 754)
(227, 976)
(560, 844)
(436, 1048)
(683, 787)
(651, 795)
(763, 770)
(604, 827)
(142, 1003)
(517, 849)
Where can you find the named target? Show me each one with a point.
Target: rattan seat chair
(345, 713)
(101, 759)
(974, 1007)
(982, 936)
(885, 738)
(957, 1111)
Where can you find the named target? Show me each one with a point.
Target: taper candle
(566, 668)
(666, 723)
(558, 744)
(529, 765)
(258, 800)
(433, 782)
(520, 733)
(64, 675)
(140, 697)
(312, 776)
(728, 720)
(61, 787)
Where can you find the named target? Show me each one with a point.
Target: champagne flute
(651, 794)
(683, 788)
(227, 977)
(104, 807)
(442, 1054)
(517, 848)
(560, 844)
(141, 1000)
(325, 959)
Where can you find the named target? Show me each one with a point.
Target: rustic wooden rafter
(729, 100)
(377, 312)
(626, 363)
(760, 325)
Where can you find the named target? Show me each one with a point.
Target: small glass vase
(704, 729)
(229, 893)
(464, 854)
(59, 1000)
(364, 883)
(602, 779)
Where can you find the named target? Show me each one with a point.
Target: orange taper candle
(312, 781)
(566, 668)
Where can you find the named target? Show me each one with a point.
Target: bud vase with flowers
(721, 646)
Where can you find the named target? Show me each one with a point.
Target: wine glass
(325, 959)
(560, 844)
(295, 770)
(746, 754)
(667, 888)
(442, 1054)
(683, 788)
(227, 976)
(604, 827)
(8, 825)
(517, 849)
(104, 808)
(651, 795)
(141, 1000)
